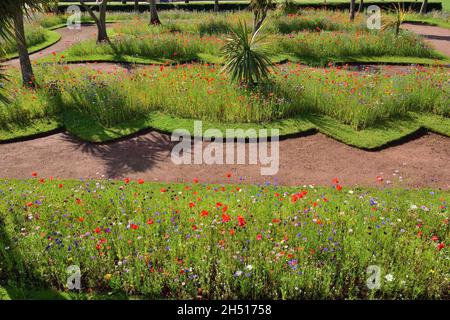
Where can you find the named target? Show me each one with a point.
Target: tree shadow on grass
(132, 154)
(19, 281)
(18, 276)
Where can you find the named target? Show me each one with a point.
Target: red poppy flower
(34, 174)
(41, 180)
(29, 204)
(259, 237)
(81, 219)
(97, 230)
(60, 185)
(219, 204)
(225, 217)
(194, 227)
(338, 187)
(191, 204)
(335, 180)
(224, 209)
(232, 232)
(163, 190)
(195, 180)
(434, 238)
(134, 226)
(241, 221)
(379, 178)
(440, 246)
(140, 181)
(126, 180)
(204, 213)
(229, 175)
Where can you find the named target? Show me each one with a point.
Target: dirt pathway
(313, 159)
(68, 38)
(437, 37)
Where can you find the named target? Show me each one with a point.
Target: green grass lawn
(37, 40)
(174, 241)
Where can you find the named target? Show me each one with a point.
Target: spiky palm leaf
(399, 16)
(7, 11)
(246, 59)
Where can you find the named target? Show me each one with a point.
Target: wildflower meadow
(96, 98)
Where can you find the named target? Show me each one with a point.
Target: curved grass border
(428, 22)
(51, 37)
(373, 138)
(276, 59)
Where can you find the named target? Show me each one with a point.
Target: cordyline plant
(400, 14)
(246, 59)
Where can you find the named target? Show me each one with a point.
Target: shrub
(246, 59)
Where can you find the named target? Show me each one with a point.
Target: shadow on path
(136, 154)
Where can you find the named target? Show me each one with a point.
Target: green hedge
(241, 5)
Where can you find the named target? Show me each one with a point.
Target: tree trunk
(258, 18)
(102, 35)
(216, 5)
(423, 8)
(154, 19)
(361, 6)
(136, 6)
(25, 63)
(352, 10)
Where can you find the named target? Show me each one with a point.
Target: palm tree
(423, 8)
(259, 8)
(245, 55)
(12, 13)
(100, 21)
(352, 10)
(154, 19)
(361, 5)
(216, 5)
